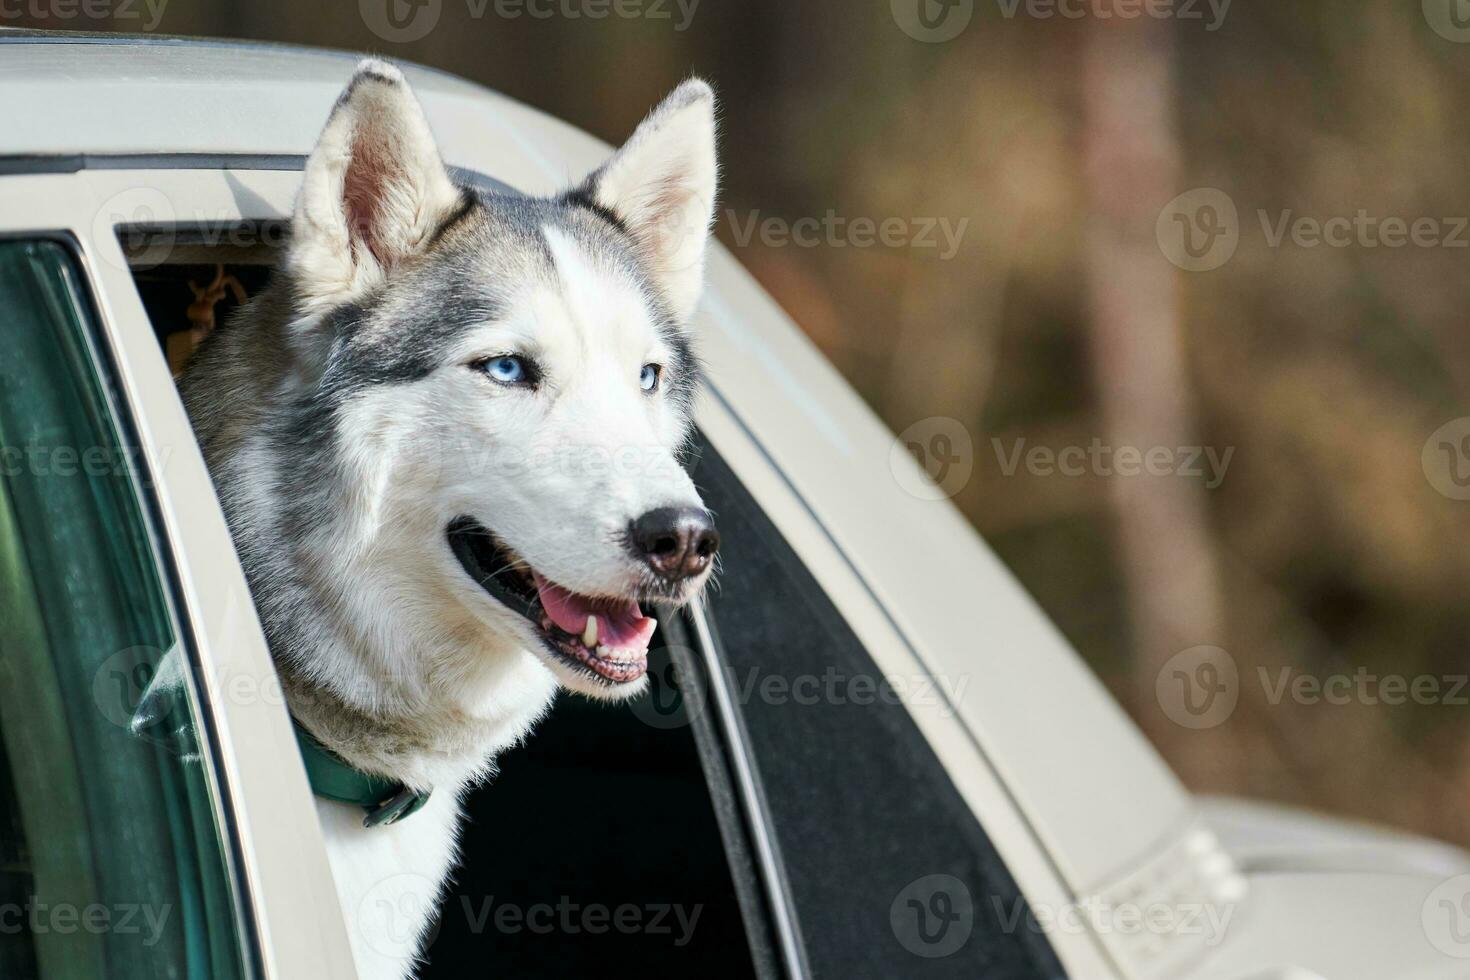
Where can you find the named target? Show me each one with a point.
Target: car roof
(1075, 766)
(112, 95)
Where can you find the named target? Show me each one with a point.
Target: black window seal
(719, 697)
(69, 163)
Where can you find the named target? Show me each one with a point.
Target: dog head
(511, 379)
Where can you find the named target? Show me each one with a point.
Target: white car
(867, 754)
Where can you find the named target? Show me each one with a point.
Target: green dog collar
(385, 801)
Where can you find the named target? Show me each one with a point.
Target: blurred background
(1191, 281)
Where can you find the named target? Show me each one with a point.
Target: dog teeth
(618, 656)
(589, 635)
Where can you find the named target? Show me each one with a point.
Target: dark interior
(598, 810)
(17, 883)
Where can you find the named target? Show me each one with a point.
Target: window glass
(111, 862)
(889, 871)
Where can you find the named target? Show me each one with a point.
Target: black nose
(676, 542)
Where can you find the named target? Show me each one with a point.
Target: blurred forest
(1061, 320)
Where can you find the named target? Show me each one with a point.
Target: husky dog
(445, 439)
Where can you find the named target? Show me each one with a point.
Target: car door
(118, 566)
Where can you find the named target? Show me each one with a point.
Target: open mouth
(605, 637)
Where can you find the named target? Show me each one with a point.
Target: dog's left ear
(374, 192)
(661, 186)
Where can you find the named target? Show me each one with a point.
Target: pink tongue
(621, 625)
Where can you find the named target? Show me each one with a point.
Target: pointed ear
(373, 194)
(661, 186)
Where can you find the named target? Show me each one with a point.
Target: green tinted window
(111, 861)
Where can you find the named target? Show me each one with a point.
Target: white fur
(389, 880)
(662, 183)
(405, 633)
(330, 253)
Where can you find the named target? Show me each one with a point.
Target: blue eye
(507, 369)
(648, 378)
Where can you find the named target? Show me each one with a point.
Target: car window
(889, 872)
(112, 861)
